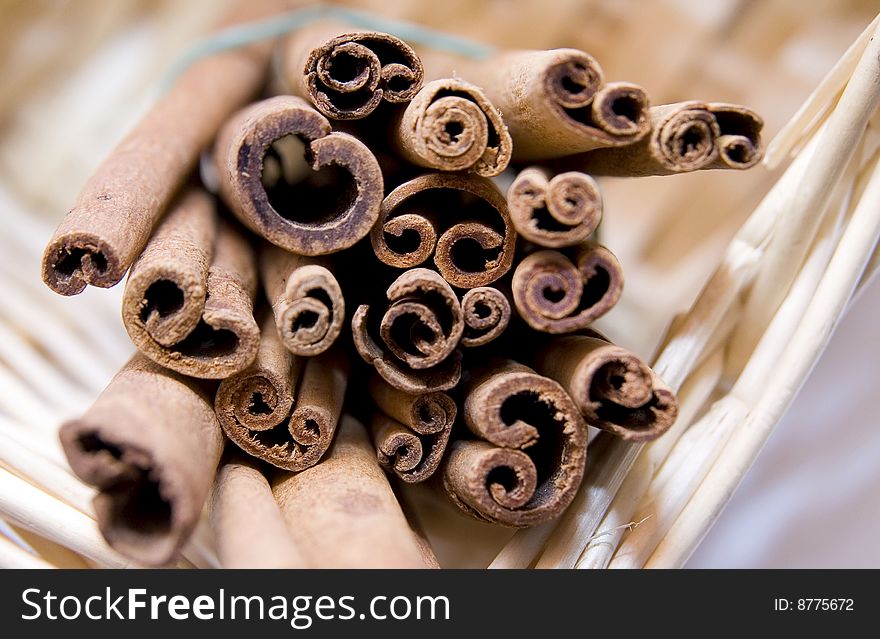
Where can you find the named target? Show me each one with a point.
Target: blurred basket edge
(739, 356)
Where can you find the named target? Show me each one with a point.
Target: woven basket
(737, 356)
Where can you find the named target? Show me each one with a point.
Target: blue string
(250, 32)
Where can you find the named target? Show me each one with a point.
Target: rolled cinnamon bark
(451, 125)
(739, 142)
(556, 295)
(115, 212)
(614, 389)
(461, 219)
(414, 348)
(150, 444)
(343, 514)
(259, 410)
(306, 300)
(188, 301)
(554, 102)
(554, 210)
(486, 313)
(412, 431)
(529, 461)
(347, 74)
(310, 212)
(248, 526)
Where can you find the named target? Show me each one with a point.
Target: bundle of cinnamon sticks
(352, 292)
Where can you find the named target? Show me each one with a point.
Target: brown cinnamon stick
(739, 143)
(115, 212)
(343, 514)
(248, 526)
(150, 444)
(461, 219)
(451, 125)
(310, 212)
(529, 460)
(554, 102)
(414, 348)
(486, 314)
(554, 210)
(272, 414)
(412, 431)
(556, 295)
(347, 74)
(306, 300)
(614, 389)
(188, 301)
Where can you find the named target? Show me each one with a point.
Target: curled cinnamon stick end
(306, 300)
(461, 219)
(349, 75)
(248, 526)
(425, 413)
(556, 295)
(150, 444)
(451, 125)
(188, 302)
(261, 412)
(119, 205)
(614, 389)
(311, 212)
(412, 456)
(529, 461)
(486, 313)
(554, 210)
(739, 140)
(417, 334)
(343, 513)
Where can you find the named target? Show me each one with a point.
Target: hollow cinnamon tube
(112, 218)
(450, 125)
(461, 220)
(412, 431)
(248, 526)
(486, 314)
(554, 102)
(554, 210)
(413, 343)
(529, 460)
(346, 73)
(306, 299)
(188, 301)
(310, 212)
(739, 140)
(342, 513)
(150, 444)
(272, 414)
(614, 389)
(554, 294)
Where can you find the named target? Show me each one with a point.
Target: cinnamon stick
(554, 210)
(248, 525)
(529, 460)
(310, 212)
(412, 431)
(461, 219)
(306, 300)
(150, 444)
(554, 102)
(486, 314)
(343, 514)
(115, 212)
(739, 142)
(450, 125)
(346, 74)
(555, 294)
(188, 301)
(614, 389)
(272, 414)
(413, 343)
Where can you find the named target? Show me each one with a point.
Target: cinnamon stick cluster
(351, 258)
